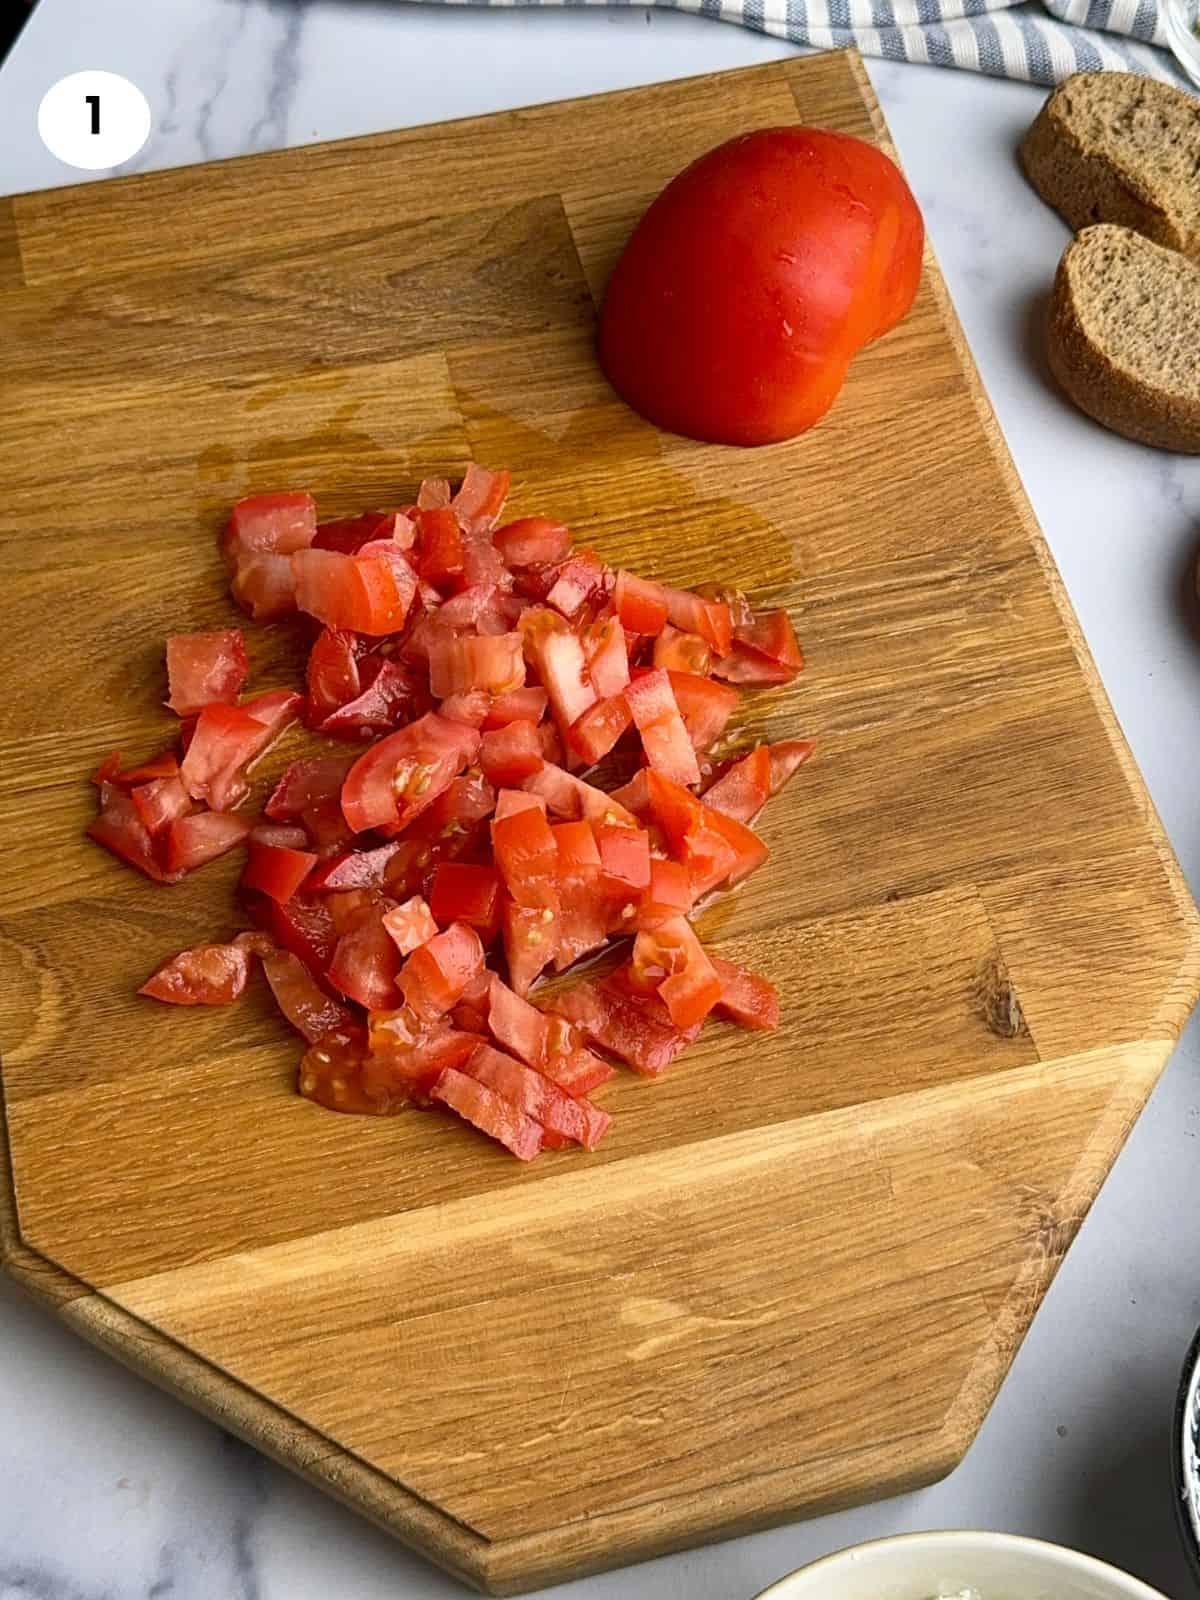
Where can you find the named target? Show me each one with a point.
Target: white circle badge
(94, 119)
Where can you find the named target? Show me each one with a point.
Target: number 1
(93, 100)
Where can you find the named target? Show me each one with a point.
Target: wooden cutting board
(795, 1274)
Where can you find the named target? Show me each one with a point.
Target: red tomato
(527, 858)
(711, 620)
(490, 1113)
(624, 1026)
(480, 499)
(165, 765)
(455, 819)
(668, 894)
(390, 694)
(752, 669)
(786, 757)
(408, 1073)
(530, 942)
(332, 1075)
(495, 663)
(597, 731)
(558, 656)
(304, 926)
(160, 802)
(753, 279)
(570, 797)
(396, 779)
(226, 740)
(359, 592)
(682, 652)
(749, 852)
(510, 801)
(511, 754)
(410, 925)
(770, 635)
(204, 667)
(433, 492)
(664, 735)
(748, 1000)
(434, 975)
(705, 707)
(743, 789)
(332, 674)
(441, 546)
(349, 534)
(624, 860)
(532, 542)
(520, 705)
(304, 783)
(641, 605)
(277, 870)
(301, 999)
(265, 586)
(672, 960)
(578, 1071)
(353, 869)
(284, 834)
(270, 524)
(366, 961)
(201, 837)
(515, 1024)
(120, 829)
(577, 849)
(463, 892)
(689, 826)
(539, 1097)
(205, 975)
(578, 578)
(607, 654)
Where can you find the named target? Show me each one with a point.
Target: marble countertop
(109, 1490)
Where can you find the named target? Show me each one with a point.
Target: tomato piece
(332, 1074)
(579, 577)
(304, 783)
(578, 1071)
(511, 801)
(328, 831)
(471, 1012)
(686, 823)
(120, 829)
(671, 960)
(641, 605)
(482, 563)
(454, 820)
(711, 619)
(480, 498)
(352, 869)
(495, 663)
(530, 942)
(463, 892)
(409, 1072)
(557, 655)
(750, 1001)
(304, 926)
(705, 706)
(526, 855)
(743, 789)
(160, 802)
(350, 534)
(599, 729)
(770, 634)
(284, 834)
(205, 975)
(390, 694)
(552, 745)
(440, 542)
(164, 765)
(665, 738)
(539, 1097)
(511, 754)
(624, 860)
(366, 962)
(434, 492)
(786, 757)
(532, 542)
(634, 797)
(749, 852)
(577, 849)
(515, 1024)
(226, 740)
(570, 797)
(395, 780)
(367, 594)
(301, 999)
(203, 668)
(490, 1113)
(332, 674)
(277, 870)
(607, 654)
(668, 894)
(269, 524)
(410, 925)
(265, 586)
(434, 975)
(519, 705)
(203, 836)
(682, 652)
(624, 1026)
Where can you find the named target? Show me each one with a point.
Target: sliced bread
(1124, 336)
(1117, 147)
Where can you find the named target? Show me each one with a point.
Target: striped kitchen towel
(1042, 41)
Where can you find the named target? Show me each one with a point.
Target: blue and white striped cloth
(1042, 41)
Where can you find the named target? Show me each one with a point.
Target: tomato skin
(532, 542)
(753, 279)
(511, 754)
(164, 765)
(624, 1025)
(277, 870)
(770, 634)
(744, 788)
(641, 604)
(440, 542)
(203, 836)
(750, 1001)
(665, 737)
(464, 892)
(300, 997)
(710, 620)
(203, 667)
(490, 1113)
(434, 976)
(205, 975)
(390, 695)
(578, 1071)
(270, 524)
(349, 534)
(226, 740)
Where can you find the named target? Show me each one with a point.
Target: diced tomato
(750, 1001)
(682, 652)
(398, 778)
(441, 546)
(328, 832)
(624, 1025)
(304, 926)
(480, 499)
(409, 1072)
(203, 836)
(579, 577)
(434, 975)
(482, 564)
(511, 754)
(519, 705)
(490, 1113)
(515, 1024)
(598, 730)
(578, 1071)
(353, 869)
(532, 542)
(672, 961)
(495, 663)
(300, 997)
(552, 746)
(410, 925)
(455, 819)
(577, 849)
(165, 765)
(786, 757)
(366, 961)
(277, 870)
(713, 847)
(226, 740)
(527, 857)
(705, 706)
(664, 736)
(274, 712)
(160, 802)
(583, 920)
(390, 695)
(203, 668)
(770, 635)
(120, 829)
(331, 1074)
(557, 655)
(749, 852)
(510, 801)
(286, 835)
(434, 492)
(711, 619)
(270, 524)
(530, 942)
(332, 675)
(641, 605)
(205, 975)
(350, 908)
(607, 657)
(667, 894)
(471, 1012)
(568, 796)
(304, 783)
(359, 592)
(539, 1097)
(624, 860)
(350, 534)
(464, 892)
(265, 586)
(743, 789)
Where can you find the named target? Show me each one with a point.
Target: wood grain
(836, 1235)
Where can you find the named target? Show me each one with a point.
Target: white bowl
(922, 1566)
